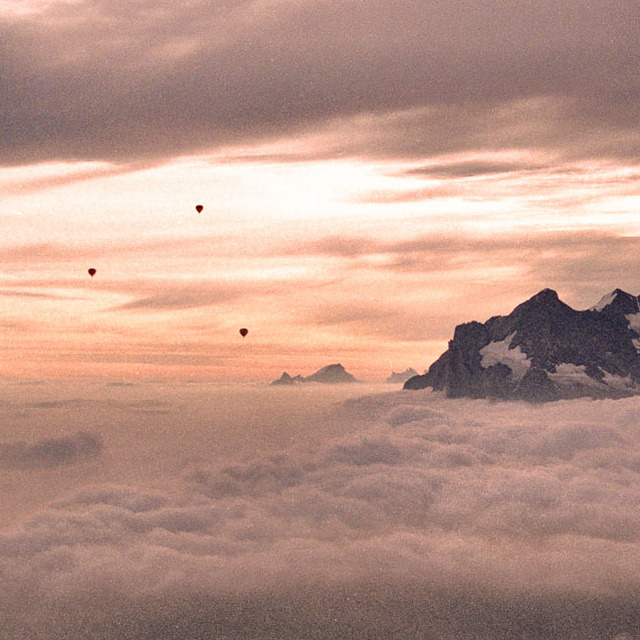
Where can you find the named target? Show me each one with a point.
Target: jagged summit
(286, 379)
(542, 304)
(544, 350)
(618, 301)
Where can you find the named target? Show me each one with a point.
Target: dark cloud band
(104, 81)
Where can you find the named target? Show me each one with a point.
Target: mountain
(402, 376)
(544, 350)
(331, 374)
(286, 379)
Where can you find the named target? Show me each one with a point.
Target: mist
(182, 511)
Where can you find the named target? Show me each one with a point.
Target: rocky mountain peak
(546, 296)
(546, 301)
(618, 301)
(544, 349)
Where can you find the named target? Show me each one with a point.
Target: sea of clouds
(195, 512)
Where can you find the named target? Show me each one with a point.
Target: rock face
(331, 374)
(544, 350)
(402, 376)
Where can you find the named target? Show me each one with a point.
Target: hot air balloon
(92, 272)
(199, 208)
(243, 332)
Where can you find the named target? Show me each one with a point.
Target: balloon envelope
(199, 208)
(243, 332)
(92, 272)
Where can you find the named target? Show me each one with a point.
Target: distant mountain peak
(331, 374)
(401, 376)
(544, 349)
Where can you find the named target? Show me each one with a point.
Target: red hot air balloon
(243, 332)
(92, 272)
(199, 208)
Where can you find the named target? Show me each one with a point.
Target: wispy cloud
(471, 168)
(32, 294)
(176, 296)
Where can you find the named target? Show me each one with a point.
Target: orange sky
(331, 261)
(356, 209)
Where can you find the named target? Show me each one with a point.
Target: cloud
(49, 176)
(39, 252)
(31, 294)
(50, 452)
(568, 260)
(404, 290)
(338, 246)
(427, 518)
(421, 288)
(180, 297)
(167, 295)
(200, 76)
(471, 168)
(390, 317)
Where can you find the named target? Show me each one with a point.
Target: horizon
(134, 376)
(106, 379)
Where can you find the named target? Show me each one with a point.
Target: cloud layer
(50, 452)
(429, 518)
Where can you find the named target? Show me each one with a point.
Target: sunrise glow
(361, 234)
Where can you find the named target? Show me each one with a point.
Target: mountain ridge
(331, 374)
(543, 350)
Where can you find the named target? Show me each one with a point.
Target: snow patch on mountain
(605, 301)
(567, 373)
(501, 352)
(618, 382)
(634, 323)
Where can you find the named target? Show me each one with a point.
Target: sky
(372, 174)
(208, 510)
